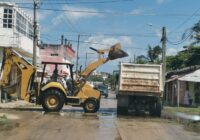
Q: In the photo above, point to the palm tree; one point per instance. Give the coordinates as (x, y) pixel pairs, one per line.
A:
(153, 53)
(194, 33)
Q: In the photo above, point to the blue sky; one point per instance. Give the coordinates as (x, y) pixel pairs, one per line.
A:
(133, 23)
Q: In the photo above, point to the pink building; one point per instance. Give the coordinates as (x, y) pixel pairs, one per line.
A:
(56, 53)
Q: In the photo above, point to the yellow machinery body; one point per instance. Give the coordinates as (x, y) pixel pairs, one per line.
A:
(25, 72)
(52, 95)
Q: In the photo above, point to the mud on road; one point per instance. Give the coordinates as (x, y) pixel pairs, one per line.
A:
(74, 124)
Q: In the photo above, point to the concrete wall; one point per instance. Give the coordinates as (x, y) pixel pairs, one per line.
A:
(46, 56)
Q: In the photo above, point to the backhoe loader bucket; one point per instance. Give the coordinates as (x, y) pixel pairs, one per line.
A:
(116, 52)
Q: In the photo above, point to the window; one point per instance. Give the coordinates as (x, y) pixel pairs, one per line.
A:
(30, 30)
(24, 26)
(54, 54)
(21, 24)
(7, 18)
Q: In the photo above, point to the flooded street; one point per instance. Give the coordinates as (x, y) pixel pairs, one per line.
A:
(74, 124)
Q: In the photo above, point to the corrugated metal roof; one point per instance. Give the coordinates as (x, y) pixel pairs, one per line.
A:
(192, 77)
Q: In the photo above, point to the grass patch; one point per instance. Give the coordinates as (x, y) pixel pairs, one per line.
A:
(6, 124)
(193, 126)
(187, 110)
(3, 120)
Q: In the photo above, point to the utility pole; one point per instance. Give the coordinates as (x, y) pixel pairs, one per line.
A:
(164, 40)
(77, 56)
(86, 59)
(134, 59)
(35, 37)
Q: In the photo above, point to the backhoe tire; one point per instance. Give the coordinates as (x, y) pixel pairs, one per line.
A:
(91, 106)
(53, 100)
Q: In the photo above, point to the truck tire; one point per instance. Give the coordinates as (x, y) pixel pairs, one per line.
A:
(158, 108)
(152, 109)
(122, 110)
(52, 100)
(155, 108)
(91, 106)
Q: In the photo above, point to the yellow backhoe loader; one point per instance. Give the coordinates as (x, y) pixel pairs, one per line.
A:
(54, 93)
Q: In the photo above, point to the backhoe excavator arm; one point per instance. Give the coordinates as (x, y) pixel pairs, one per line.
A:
(24, 74)
(113, 53)
(91, 67)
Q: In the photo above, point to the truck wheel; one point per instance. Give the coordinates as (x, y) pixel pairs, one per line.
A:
(158, 108)
(122, 110)
(91, 106)
(53, 100)
(155, 108)
(152, 108)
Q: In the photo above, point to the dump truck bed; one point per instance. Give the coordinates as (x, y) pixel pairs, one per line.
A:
(140, 79)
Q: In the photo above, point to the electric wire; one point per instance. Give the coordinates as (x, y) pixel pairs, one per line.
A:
(109, 13)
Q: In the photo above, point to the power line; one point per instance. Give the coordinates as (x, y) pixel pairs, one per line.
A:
(181, 41)
(78, 2)
(186, 20)
(95, 43)
(111, 13)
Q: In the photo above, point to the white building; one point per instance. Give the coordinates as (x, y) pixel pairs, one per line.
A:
(16, 30)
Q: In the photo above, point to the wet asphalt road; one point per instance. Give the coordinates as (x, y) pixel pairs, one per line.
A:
(73, 124)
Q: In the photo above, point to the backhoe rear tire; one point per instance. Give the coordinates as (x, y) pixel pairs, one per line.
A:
(52, 100)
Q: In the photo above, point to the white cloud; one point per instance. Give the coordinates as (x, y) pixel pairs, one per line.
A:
(109, 41)
(161, 1)
(126, 44)
(44, 14)
(79, 15)
(136, 12)
(76, 15)
(173, 51)
(158, 33)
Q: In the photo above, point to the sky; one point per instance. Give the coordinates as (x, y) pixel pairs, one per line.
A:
(135, 24)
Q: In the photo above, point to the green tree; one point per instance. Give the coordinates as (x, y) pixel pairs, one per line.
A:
(153, 53)
(193, 53)
(95, 78)
(141, 59)
(195, 33)
(188, 57)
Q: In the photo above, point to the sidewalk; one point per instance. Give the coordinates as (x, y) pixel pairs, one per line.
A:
(186, 110)
(15, 104)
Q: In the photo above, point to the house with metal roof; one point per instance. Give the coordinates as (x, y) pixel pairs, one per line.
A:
(180, 82)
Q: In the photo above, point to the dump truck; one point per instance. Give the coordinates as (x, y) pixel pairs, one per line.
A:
(18, 78)
(140, 88)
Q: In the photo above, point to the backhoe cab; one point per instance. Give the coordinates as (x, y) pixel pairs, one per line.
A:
(59, 89)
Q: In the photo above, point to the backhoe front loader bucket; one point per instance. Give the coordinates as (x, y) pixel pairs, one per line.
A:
(116, 52)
